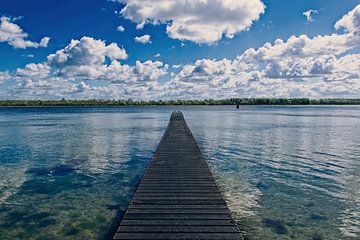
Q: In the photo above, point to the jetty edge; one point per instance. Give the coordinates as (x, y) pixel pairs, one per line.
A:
(177, 197)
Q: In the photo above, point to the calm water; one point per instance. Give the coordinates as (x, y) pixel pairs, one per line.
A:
(286, 172)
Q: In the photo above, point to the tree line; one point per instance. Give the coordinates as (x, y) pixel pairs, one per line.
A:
(229, 101)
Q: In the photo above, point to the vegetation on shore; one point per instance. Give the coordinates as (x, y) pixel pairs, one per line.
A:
(230, 101)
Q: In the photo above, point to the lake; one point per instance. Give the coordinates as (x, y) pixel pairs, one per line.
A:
(285, 172)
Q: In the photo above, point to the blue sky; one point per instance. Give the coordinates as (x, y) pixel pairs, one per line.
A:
(201, 47)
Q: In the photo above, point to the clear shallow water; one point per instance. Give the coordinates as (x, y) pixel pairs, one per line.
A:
(286, 172)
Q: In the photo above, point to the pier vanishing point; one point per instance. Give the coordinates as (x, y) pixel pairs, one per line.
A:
(177, 197)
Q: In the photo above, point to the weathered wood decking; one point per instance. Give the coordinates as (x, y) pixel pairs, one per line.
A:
(177, 197)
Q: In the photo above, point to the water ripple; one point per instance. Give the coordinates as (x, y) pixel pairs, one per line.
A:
(286, 172)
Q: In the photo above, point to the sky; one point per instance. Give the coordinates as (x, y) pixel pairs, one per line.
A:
(179, 49)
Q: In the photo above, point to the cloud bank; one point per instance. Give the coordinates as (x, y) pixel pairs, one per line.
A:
(300, 66)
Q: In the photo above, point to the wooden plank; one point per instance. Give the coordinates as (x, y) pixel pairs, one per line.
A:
(176, 216)
(175, 236)
(177, 197)
(136, 206)
(179, 211)
(179, 202)
(206, 222)
(174, 196)
(178, 229)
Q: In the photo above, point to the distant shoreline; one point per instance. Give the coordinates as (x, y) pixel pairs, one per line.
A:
(205, 102)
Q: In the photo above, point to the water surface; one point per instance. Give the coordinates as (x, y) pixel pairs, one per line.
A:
(286, 172)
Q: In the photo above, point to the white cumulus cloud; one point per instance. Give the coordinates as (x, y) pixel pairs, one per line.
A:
(68, 71)
(15, 36)
(351, 21)
(120, 29)
(85, 57)
(300, 66)
(297, 67)
(40, 70)
(143, 39)
(141, 73)
(309, 14)
(201, 21)
(4, 76)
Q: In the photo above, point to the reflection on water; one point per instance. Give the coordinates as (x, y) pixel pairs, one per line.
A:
(67, 173)
(286, 172)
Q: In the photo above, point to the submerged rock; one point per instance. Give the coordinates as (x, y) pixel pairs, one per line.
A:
(317, 236)
(57, 170)
(27, 218)
(61, 170)
(112, 207)
(262, 186)
(317, 217)
(310, 204)
(47, 222)
(40, 215)
(276, 225)
(70, 230)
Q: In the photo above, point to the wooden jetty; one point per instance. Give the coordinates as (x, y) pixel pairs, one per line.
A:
(177, 197)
